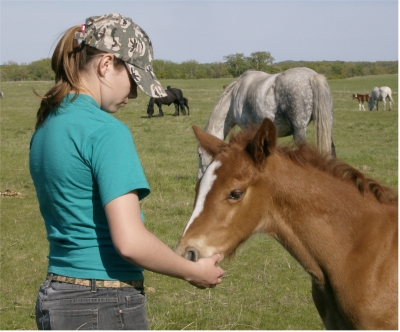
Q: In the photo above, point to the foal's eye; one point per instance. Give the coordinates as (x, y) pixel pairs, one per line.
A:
(236, 194)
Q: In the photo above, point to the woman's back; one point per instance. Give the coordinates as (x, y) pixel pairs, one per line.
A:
(81, 158)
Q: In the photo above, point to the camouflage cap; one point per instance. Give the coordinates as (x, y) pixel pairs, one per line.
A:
(120, 36)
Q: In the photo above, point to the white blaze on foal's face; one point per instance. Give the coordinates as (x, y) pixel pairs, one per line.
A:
(205, 185)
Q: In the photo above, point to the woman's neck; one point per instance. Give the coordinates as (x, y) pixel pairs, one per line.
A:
(90, 85)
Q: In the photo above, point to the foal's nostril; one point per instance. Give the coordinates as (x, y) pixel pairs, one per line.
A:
(191, 255)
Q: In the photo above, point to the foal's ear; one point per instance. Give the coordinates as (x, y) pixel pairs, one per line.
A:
(264, 142)
(213, 145)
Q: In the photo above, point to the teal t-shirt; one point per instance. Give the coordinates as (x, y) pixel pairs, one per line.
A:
(81, 158)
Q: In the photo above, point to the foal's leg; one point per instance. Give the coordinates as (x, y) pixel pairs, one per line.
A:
(182, 105)
(186, 103)
(160, 111)
(328, 308)
(176, 110)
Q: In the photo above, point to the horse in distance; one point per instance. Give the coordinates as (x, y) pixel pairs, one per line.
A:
(341, 226)
(174, 96)
(292, 99)
(380, 94)
(179, 94)
(361, 98)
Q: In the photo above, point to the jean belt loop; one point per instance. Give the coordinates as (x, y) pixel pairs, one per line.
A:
(94, 288)
(48, 280)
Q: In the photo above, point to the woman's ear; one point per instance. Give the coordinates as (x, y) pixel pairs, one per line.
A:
(106, 63)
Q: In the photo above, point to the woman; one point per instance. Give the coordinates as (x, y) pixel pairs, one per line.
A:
(89, 182)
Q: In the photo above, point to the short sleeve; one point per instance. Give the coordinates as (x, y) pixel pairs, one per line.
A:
(115, 164)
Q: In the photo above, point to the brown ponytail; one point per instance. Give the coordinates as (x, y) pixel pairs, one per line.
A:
(69, 59)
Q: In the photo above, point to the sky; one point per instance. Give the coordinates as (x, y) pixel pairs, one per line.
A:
(206, 31)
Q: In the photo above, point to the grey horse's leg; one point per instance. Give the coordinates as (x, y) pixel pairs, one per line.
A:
(299, 135)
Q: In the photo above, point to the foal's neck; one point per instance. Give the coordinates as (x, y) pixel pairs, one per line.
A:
(313, 218)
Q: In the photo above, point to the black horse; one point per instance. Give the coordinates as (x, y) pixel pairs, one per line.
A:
(174, 96)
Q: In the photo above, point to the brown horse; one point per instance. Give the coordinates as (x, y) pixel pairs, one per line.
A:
(340, 225)
(361, 99)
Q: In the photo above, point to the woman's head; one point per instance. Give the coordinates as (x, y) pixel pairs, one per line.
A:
(118, 35)
(113, 47)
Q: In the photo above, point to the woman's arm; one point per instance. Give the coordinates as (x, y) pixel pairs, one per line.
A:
(142, 248)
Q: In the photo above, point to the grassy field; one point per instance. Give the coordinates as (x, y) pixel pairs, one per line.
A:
(264, 288)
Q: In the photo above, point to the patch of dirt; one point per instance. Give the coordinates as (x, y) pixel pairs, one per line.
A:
(365, 168)
(10, 193)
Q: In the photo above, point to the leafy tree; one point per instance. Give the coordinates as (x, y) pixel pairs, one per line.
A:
(261, 60)
(237, 64)
(41, 70)
(336, 70)
(190, 70)
(217, 70)
(166, 69)
(12, 71)
(234, 66)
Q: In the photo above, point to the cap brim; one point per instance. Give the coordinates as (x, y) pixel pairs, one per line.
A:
(147, 81)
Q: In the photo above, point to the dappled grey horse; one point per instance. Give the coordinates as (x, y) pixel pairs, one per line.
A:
(291, 99)
(380, 94)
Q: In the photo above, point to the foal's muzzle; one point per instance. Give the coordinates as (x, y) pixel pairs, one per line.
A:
(192, 255)
(189, 253)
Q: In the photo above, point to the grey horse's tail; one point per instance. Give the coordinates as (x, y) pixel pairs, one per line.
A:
(322, 113)
(390, 96)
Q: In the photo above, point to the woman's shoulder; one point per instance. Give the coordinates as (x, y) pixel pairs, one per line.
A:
(81, 120)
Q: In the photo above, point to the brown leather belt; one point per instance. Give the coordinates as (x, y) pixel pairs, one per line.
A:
(97, 283)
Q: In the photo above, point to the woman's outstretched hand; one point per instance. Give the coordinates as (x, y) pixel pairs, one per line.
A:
(209, 272)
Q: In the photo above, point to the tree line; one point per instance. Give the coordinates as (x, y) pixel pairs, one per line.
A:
(233, 66)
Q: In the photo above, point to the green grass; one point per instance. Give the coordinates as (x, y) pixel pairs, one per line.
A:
(264, 288)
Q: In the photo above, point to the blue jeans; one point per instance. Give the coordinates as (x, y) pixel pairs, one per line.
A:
(62, 306)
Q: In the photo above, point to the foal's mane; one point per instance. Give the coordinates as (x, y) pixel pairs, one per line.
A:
(305, 155)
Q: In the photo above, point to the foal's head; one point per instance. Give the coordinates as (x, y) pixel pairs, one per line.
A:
(225, 212)
(240, 191)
